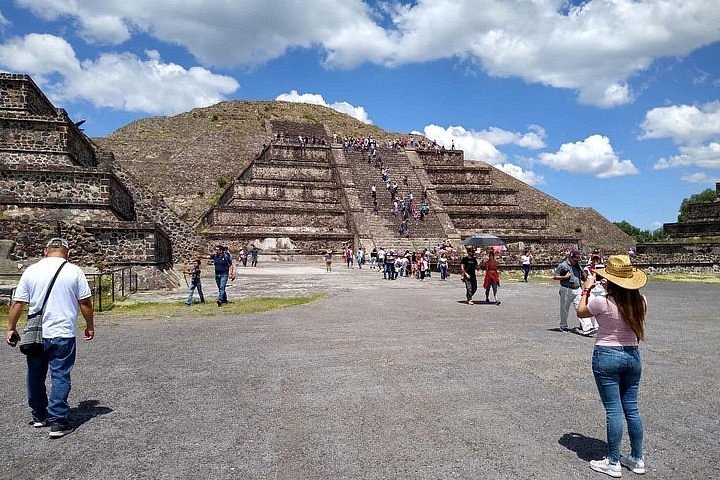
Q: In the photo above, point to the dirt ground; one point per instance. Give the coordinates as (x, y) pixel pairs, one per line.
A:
(382, 380)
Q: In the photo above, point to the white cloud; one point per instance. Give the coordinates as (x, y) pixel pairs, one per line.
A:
(594, 156)
(482, 146)
(533, 140)
(527, 176)
(3, 21)
(39, 54)
(699, 177)
(683, 123)
(317, 99)
(703, 156)
(123, 81)
(95, 22)
(593, 48)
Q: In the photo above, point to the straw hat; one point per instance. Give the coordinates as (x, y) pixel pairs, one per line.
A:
(620, 271)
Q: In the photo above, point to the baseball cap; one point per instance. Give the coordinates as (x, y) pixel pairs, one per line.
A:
(58, 242)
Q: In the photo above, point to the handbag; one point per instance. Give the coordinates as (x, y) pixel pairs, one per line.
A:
(31, 340)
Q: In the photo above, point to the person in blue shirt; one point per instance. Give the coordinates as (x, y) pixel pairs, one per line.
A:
(224, 268)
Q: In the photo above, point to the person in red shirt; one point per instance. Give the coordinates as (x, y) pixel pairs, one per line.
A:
(492, 277)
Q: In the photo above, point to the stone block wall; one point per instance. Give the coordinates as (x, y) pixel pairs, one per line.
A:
(296, 191)
(19, 92)
(291, 171)
(92, 242)
(46, 136)
(65, 186)
(441, 176)
(692, 229)
(704, 211)
(37, 160)
(442, 157)
(309, 153)
(479, 221)
(121, 200)
(302, 220)
(31, 136)
(134, 244)
(494, 197)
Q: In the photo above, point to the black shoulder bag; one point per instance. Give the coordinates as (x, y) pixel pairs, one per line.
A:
(31, 340)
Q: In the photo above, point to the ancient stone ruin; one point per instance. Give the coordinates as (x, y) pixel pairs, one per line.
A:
(695, 241)
(291, 200)
(54, 181)
(299, 199)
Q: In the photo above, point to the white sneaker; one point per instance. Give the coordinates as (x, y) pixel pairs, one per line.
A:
(635, 466)
(604, 466)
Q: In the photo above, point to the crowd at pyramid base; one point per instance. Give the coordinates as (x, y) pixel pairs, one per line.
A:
(308, 191)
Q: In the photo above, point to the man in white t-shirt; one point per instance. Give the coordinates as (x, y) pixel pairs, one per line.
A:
(69, 294)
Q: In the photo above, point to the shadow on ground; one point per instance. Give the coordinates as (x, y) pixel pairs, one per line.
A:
(586, 448)
(87, 410)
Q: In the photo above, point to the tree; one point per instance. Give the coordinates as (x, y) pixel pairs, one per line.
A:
(704, 196)
(640, 236)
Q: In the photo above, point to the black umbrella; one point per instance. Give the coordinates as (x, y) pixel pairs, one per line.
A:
(483, 240)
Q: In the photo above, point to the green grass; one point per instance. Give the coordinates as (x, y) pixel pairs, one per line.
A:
(129, 308)
(685, 277)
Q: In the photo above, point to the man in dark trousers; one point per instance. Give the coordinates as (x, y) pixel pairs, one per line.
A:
(69, 293)
(254, 255)
(468, 266)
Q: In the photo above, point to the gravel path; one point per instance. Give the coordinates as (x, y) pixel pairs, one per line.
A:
(382, 380)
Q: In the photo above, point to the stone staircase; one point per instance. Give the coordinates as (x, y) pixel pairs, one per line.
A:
(383, 226)
(287, 201)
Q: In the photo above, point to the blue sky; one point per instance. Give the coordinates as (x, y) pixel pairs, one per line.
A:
(611, 104)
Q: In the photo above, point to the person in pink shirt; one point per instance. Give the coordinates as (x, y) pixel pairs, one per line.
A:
(616, 362)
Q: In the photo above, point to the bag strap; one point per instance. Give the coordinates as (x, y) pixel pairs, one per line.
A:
(52, 283)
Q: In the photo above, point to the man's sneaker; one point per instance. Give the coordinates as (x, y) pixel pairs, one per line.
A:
(635, 466)
(38, 423)
(59, 429)
(604, 466)
(564, 329)
(470, 302)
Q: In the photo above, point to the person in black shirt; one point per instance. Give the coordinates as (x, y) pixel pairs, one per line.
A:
(468, 266)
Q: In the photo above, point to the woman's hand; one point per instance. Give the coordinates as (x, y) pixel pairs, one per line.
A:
(589, 282)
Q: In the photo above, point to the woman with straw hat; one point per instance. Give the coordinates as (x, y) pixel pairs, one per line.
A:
(616, 361)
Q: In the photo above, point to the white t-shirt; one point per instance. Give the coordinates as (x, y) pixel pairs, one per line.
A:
(61, 310)
(525, 259)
